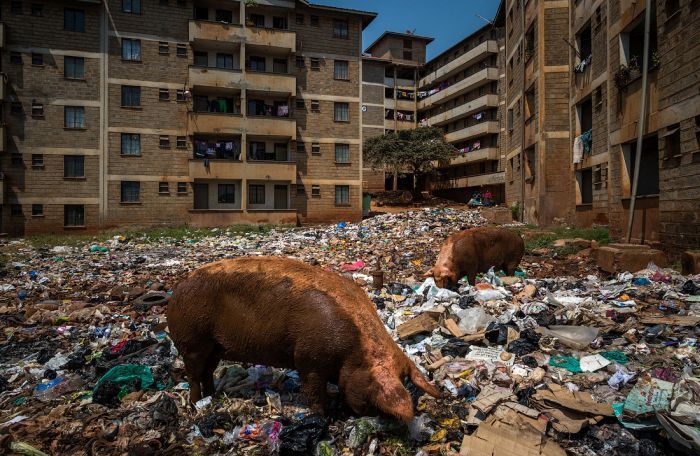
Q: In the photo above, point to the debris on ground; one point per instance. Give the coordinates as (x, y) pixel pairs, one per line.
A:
(559, 358)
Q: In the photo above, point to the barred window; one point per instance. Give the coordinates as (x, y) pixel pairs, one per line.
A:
(131, 96)
(163, 187)
(341, 70)
(131, 192)
(73, 166)
(74, 116)
(74, 215)
(341, 112)
(131, 144)
(227, 194)
(131, 50)
(131, 6)
(342, 195)
(340, 29)
(342, 153)
(74, 67)
(256, 194)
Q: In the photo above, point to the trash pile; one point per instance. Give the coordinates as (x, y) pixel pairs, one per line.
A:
(585, 364)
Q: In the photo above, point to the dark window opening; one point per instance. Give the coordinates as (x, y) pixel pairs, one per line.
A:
(73, 20)
(37, 160)
(130, 192)
(227, 194)
(585, 178)
(340, 29)
(37, 210)
(279, 23)
(648, 182)
(672, 139)
(258, 20)
(586, 115)
(73, 166)
(256, 194)
(73, 215)
(583, 40)
(225, 16)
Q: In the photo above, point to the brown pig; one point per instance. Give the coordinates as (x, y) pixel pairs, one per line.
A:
(475, 250)
(284, 313)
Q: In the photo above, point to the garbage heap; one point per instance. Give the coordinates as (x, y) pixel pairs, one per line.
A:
(527, 364)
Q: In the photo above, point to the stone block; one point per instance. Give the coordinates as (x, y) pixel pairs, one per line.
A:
(627, 258)
(577, 242)
(690, 262)
(497, 215)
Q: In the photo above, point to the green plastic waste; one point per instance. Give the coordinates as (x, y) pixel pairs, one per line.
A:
(124, 374)
(615, 356)
(519, 273)
(566, 362)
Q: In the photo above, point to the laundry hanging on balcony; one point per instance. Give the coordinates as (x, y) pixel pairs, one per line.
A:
(582, 145)
(581, 67)
(478, 115)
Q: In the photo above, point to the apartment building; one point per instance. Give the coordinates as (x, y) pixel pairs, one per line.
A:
(205, 112)
(574, 160)
(390, 75)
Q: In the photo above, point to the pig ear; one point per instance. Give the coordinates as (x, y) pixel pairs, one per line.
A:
(420, 381)
(388, 394)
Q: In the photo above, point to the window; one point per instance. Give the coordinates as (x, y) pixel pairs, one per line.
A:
(301, 61)
(74, 116)
(163, 47)
(585, 112)
(131, 50)
(315, 148)
(314, 20)
(182, 187)
(37, 210)
(224, 61)
(342, 153)
(256, 194)
(73, 20)
(163, 187)
(315, 106)
(180, 95)
(16, 58)
(340, 70)
(342, 195)
(163, 94)
(37, 109)
(74, 67)
(632, 45)
(16, 210)
(164, 141)
(131, 6)
(37, 59)
(37, 10)
(300, 19)
(225, 16)
(301, 147)
(301, 104)
(73, 166)
(131, 96)
(301, 191)
(131, 144)
(279, 22)
(130, 191)
(73, 215)
(279, 66)
(201, 13)
(256, 63)
(37, 160)
(182, 50)
(340, 29)
(16, 160)
(585, 182)
(648, 183)
(341, 112)
(316, 191)
(16, 7)
(510, 120)
(227, 194)
(258, 20)
(315, 63)
(672, 139)
(407, 44)
(201, 59)
(181, 142)
(407, 55)
(583, 40)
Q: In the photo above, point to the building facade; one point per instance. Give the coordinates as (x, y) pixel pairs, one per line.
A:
(575, 161)
(204, 112)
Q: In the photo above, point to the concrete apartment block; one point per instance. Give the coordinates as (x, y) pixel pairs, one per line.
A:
(204, 112)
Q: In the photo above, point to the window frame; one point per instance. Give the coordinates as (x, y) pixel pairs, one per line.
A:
(130, 150)
(181, 142)
(37, 59)
(315, 191)
(81, 217)
(315, 148)
(164, 141)
(182, 188)
(163, 188)
(74, 25)
(76, 168)
(129, 192)
(163, 48)
(74, 64)
(344, 150)
(37, 210)
(315, 63)
(133, 8)
(163, 94)
(341, 108)
(181, 50)
(314, 20)
(254, 193)
(342, 75)
(37, 160)
(341, 29)
(75, 125)
(315, 106)
(232, 194)
(344, 195)
(129, 45)
(37, 110)
(129, 94)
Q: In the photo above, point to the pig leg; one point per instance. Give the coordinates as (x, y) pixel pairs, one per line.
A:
(208, 374)
(314, 386)
(510, 268)
(195, 366)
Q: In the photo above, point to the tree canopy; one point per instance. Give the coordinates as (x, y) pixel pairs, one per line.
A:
(415, 149)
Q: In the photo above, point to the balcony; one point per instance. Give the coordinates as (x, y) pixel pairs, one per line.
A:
(233, 170)
(215, 123)
(490, 100)
(283, 40)
(282, 127)
(208, 32)
(271, 82)
(483, 128)
(2, 35)
(475, 156)
(401, 105)
(215, 77)
(530, 131)
(530, 69)
(631, 100)
(472, 181)
(461, 62)
(465, 85)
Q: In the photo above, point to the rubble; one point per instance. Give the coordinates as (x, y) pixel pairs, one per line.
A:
(558, 358)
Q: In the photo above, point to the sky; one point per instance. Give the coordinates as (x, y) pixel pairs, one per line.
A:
(448, 21)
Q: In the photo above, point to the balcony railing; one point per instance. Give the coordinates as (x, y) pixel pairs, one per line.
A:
(447, 92)
(216, 31)
(480, 129)
(215, 77)
(461, 62)
(282, 83)
(489, 100)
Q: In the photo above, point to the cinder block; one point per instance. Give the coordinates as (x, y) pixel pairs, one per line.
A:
(690, 262)
(628, 258)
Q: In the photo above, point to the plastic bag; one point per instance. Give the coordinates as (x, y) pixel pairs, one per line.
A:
(472, 319)
(578, 337)
(489, 295)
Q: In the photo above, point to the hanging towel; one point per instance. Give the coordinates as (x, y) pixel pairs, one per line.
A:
(578, 150)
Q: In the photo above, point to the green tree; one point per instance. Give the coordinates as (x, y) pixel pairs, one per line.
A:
(414, 151)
